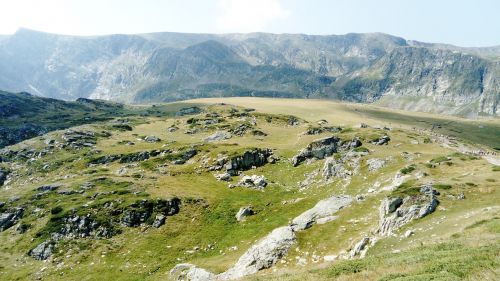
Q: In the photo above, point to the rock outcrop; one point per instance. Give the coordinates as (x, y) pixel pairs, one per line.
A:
(262, 255)
(322, 209)
(397, 211)
(104, 222)
(318, 149)
(249, 159)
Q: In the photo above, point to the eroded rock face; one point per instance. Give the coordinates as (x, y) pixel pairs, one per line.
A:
(318, 149)
(10, 218)
(322, 209)
(262, 255)
(396, 212)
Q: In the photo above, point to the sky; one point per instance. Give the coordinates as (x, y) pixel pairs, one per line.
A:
(458, 22)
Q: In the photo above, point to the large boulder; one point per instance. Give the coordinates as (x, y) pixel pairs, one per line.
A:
(322, 209)
(318, 149)
(262, 255)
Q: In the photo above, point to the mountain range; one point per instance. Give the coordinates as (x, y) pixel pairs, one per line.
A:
(160, 67)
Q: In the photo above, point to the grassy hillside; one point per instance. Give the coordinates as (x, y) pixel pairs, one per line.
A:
(458, 241)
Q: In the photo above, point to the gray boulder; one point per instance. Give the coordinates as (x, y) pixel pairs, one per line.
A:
(218, 136)
(152, 139)
(382, 140)
(334, 169)
(262, 255)
(243, 213)
(42, 251)
(10, 218)
(190, 272)
(322, 209)
(253, 181)
(223, 176)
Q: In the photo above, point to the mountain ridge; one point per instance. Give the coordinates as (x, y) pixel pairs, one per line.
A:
(168, 66)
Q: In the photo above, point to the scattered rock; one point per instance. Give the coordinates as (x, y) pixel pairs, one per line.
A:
(408, 233)
(218, 136)
(172, 129)
(152, 139)
(318, 149)
(159, 220)
(374, 164)
(382, 140)
(223, 177)
(190, 272)
(48, 187)
(396, 212)
(253, 181)
(332, 169)
(188, 111)
(244, 212)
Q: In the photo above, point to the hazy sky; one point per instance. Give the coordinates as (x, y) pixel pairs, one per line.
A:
(459, 22)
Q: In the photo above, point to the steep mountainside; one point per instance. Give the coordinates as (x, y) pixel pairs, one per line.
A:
(175, 66)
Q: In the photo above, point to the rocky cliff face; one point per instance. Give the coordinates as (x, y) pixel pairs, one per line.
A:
(173, 66)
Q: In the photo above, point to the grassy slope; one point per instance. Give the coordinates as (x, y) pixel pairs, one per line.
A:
(148, 254)
(483, 131)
